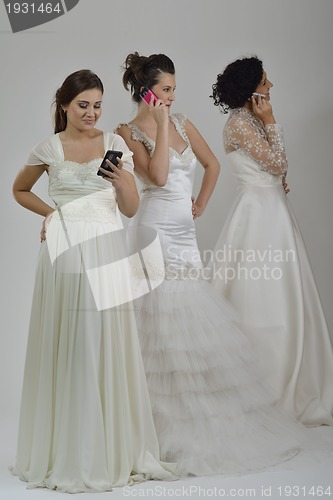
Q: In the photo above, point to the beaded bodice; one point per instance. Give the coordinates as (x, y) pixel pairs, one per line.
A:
(181, 165)
(75, 187)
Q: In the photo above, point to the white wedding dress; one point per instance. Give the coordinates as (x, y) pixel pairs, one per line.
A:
(86, 422)
(212, 414)
(261, 266)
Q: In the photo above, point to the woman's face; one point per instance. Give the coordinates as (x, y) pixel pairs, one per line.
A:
(165, 89)
(84, 110)
(264, 86)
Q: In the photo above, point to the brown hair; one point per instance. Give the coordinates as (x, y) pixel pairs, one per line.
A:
(142, 71)
(74, 84)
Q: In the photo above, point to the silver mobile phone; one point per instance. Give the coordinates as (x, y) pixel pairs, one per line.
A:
(258, 94)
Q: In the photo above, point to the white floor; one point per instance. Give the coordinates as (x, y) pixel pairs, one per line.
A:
(308, 475)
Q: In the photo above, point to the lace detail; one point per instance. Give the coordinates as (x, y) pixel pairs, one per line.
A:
(275, 136)
(138, 135)
(87, 211)
(80, 170)
(187, 272)
(146, 187)
(265, 145)
(168, 272)
(184, 158)
(178, 119)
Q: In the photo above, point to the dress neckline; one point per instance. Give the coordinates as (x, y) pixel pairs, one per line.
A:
(176, 123)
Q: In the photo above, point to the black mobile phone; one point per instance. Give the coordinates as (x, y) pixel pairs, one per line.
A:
(112, 157)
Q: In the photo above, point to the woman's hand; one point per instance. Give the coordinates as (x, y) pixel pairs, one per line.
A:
(285, 185)
(159, 112)
(45, 224)
(116, 177)
(197, 210)
(263, 110)
(126, 191)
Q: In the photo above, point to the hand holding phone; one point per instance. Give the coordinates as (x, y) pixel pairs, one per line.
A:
(146, 95)
(256, 96)
(112, 156)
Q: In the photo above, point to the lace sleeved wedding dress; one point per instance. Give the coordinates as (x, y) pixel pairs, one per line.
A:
(261, 266)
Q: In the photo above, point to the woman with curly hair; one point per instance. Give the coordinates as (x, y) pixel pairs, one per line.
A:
(260, 262)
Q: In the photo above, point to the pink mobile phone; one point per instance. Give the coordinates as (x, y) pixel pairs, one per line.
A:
(146, 94)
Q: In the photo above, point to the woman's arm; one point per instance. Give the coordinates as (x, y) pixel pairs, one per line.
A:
(126, 192)
(155, 168)
(23, 183)
(209, 162)
(127, 195)
(268, 152)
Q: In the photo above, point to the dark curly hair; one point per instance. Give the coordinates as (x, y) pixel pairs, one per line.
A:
(77, 82)
(237, 83)
(141, 71)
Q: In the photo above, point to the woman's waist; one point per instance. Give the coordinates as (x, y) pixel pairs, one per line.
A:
(172, 218)
(166, 192)
(166, 207)
(175, 232)
(99, 207)
(67, 194)
(256, 177)
(250, 182)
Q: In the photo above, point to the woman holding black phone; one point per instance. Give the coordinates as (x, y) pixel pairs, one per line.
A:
(86, 421)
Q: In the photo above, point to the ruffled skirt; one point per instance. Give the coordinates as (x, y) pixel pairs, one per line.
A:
(213, 412)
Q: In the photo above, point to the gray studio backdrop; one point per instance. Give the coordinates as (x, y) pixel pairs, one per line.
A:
(293, 37)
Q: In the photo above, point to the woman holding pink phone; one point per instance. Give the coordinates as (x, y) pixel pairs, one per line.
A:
(211, 410)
